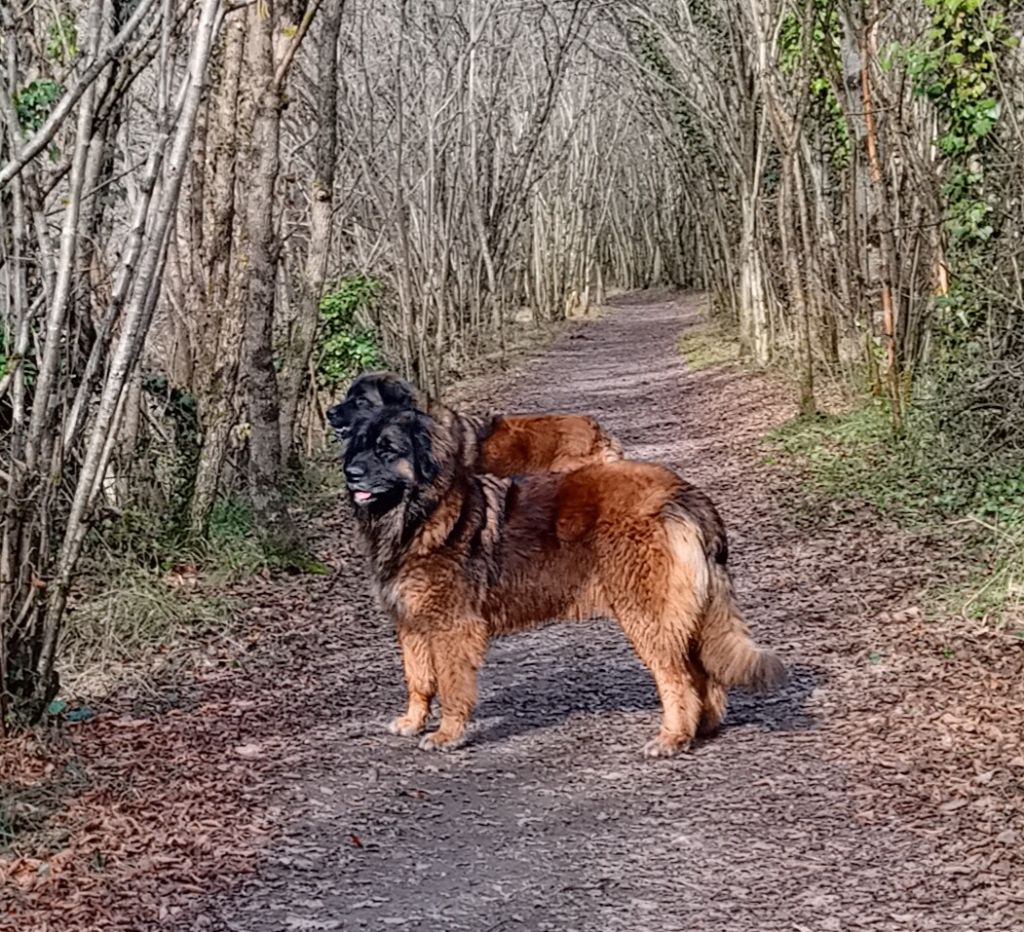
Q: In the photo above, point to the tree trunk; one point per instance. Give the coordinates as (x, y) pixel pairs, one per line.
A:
(753, 317)
(883, 225)
(260, 253)
(302, 338)
(217, 332)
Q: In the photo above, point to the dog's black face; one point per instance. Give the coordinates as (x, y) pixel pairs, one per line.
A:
(367, 394)
(388, 456)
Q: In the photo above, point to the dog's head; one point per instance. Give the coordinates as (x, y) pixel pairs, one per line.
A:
(367, 394)
(389, 457)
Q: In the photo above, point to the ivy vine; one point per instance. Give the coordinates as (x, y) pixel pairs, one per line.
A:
(33, 103)
(826, 34)
(344, 345)
(954, 67)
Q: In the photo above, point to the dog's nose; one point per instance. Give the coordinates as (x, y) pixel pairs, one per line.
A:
(354, 472)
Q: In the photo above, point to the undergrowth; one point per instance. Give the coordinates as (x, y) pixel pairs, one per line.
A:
(920, 479)
(708, 345)
(145, 585)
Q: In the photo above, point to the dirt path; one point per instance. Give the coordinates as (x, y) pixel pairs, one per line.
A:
(880, 791)
(867, 796)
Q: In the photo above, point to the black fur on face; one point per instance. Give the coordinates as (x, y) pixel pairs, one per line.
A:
(370, 392)
(388, 457)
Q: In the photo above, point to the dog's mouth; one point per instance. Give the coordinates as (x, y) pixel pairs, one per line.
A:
(364, 497)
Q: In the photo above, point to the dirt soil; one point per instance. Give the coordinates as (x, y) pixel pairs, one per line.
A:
(883, 789)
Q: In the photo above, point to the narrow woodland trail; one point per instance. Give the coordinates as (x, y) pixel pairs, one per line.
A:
(868, 795)
(880, 791)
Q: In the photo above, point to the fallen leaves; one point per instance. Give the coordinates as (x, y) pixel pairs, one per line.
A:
(164, 799)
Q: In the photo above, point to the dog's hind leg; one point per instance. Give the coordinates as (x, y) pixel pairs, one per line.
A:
(713, 698)
(458, 652)
(713, 711)
(680, 699)
(420, 681)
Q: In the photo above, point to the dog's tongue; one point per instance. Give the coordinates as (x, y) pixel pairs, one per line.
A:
(362, 497)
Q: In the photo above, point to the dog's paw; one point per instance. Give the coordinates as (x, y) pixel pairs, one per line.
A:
(439, 741)
(666, 746)
(405, 726)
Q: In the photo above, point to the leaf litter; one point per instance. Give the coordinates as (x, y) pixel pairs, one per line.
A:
(257, 791)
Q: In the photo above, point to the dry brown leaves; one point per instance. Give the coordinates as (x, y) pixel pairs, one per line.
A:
(125, 818)
(131, 818)
(167, 806)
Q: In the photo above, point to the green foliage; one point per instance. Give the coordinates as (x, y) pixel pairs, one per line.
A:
(9, 359)
(668, 87)
(234, 547)
(953, 65)
(916, 477)
(709, 345)
(960, 317)
(921, 478)
(62, 41)
(157, 542)
(344, 345)
(179, 407)
(232, 543)
(824, 47)
(33, 103)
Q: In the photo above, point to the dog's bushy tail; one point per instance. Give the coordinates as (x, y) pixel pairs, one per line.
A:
(727, 651)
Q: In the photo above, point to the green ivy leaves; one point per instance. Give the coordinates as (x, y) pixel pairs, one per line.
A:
(344, 347)
(62, 42)
(825, 37)
(34, 102)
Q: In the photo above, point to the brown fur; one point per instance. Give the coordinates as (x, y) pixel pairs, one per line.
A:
(461, 558)
(502, 445)
(532, 443)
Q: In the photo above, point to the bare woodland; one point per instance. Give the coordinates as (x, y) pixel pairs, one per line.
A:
(182, 183)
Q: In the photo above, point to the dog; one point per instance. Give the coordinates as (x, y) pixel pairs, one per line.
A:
(458, 557)
(502, 445)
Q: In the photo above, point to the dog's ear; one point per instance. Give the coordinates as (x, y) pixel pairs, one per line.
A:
(396, 391)
(358, 385)
(427, 465)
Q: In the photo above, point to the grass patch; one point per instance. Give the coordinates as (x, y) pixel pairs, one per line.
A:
(145, 587)
(855, 457)
(918, 480)
(123, 626)
(708, 345)
(320, 483)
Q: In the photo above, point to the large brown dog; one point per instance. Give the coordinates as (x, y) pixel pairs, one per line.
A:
(503, 445)
(459, 557)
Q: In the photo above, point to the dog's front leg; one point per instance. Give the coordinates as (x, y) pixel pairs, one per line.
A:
(420, 681)
(458, 651)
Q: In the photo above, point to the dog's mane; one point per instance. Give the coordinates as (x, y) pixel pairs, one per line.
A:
(459, 506)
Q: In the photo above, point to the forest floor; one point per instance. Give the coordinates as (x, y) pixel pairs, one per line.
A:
(883, 789)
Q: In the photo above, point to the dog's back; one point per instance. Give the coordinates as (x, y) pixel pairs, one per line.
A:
(534, 443)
